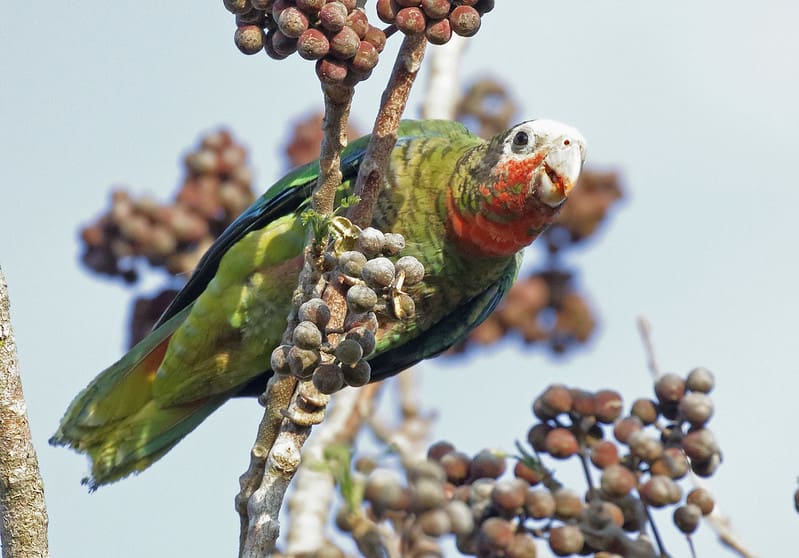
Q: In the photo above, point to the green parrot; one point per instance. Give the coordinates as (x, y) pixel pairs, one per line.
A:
(466, 207)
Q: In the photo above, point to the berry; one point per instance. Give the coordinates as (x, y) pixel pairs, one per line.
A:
(303, 362)
(539, 504)
(333, 16)
(699, 444)
(687, 517)
(568, 504)
(310, 6)
(328, 378)
(645, 447)
(555, 400)
(249, 39)
(378, 272)
(456, 465)
(358, 374)
(438, 31)
(531, 475)
(410, 21)
(313, 45)
(436, 9)
(701, 380)
(669, 388)
(351, 263)
(508, 496)
(660, 491)
(435, 522)
(376, 37)
(566, 540)
(307, 335)
(361, 299)
(486, 464)
(387, 10)
(604, 454)
(626, 427)
(384, 489)
(439, 450)
(645, 410)
(292, 22)
(314, 310)
(701, 498)
(465, 21)
(365, 58)
(278, 46)
(460, 517)
(617, 481)
(370, 242)
(608, 406)
(537, 435)
(358, 21)
(495, 534)
(560, 443)
(426, 494)
(672, 463)
(696, 408)
(412, 268)
(344, 44)
(364, 337)
(349, 351)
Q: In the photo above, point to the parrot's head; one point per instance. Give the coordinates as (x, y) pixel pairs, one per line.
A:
(525, 175)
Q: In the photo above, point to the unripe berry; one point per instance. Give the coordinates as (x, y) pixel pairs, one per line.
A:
(377, 38)
(645, 409)
(328, 378)
(660, 491)
(387, 10)
(568, 504)
(604, 454)
(349, 351)
(438, 31)
(426, 494)
(465, 21)
(359, 23)
(439, 449)
(626, 427)
(456, 465)
(365, 58)
(508, 496)
(699, 444)
(364, 337)
(486, 464)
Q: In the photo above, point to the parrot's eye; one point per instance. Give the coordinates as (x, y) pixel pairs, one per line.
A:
(520, 139)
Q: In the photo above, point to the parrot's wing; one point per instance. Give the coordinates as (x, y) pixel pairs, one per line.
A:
(287, 195)
(448, 331)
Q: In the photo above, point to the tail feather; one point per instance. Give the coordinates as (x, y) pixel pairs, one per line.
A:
(116, 420)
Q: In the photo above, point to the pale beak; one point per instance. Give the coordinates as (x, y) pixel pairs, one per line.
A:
(559, 172)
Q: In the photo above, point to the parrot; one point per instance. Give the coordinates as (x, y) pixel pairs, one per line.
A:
(467, 208)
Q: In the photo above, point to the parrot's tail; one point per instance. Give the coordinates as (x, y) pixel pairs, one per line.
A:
(116, 421)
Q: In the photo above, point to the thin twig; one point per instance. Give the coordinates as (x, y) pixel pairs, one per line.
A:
(384, 133)
(661, 549)
(646, 337)
(722, 525)
(23, 513)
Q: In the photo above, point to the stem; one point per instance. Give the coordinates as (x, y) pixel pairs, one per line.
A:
(384, 133)
(23, 513)
(655, 533)
(646, 337)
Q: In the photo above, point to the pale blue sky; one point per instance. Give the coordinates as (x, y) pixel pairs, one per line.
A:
(694, 101)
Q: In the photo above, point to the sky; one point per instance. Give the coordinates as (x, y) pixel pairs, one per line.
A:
(693, 101)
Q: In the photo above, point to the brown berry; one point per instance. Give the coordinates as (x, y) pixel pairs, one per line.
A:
(555, 400)
(333, 16)
(644, 446)
(344, 44)
(537, 436)
(436, 9)
(358, 374)
(617, 481)
(539, 504)
(583, 402)
(411, 21)
(508, 496)
(645, 410)
(560, 443)
(696, 408)
(701, 380)
(365, 58)
(292, 22)
(699, 444)
(465, 21)
(669, 388)
(608, 406)
(376, 37)
(486, 464)
(672, 463)
(313, 45)
(568, 504)
(566, 540)
(358, 22)
(435, 522)
(495, 535)
(438, 31)
(604, 454)
(687, 517)
(701, 498)
(249, 39)
(328, 378)
(387, 10)
(439, 450)
(531, 475)
(456, 465)
(310, 6)
(660, 491)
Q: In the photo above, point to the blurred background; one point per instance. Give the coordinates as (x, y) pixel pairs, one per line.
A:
(699, 118)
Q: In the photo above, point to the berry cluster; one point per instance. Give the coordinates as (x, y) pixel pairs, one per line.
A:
(374, 286)
(544, 308)
(437, 19)
(174, 236)
(336, 34)
(495, 514)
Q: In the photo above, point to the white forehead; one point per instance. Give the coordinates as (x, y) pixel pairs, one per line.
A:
(544, 132)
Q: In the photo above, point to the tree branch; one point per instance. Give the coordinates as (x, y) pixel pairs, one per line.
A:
(23, 513)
